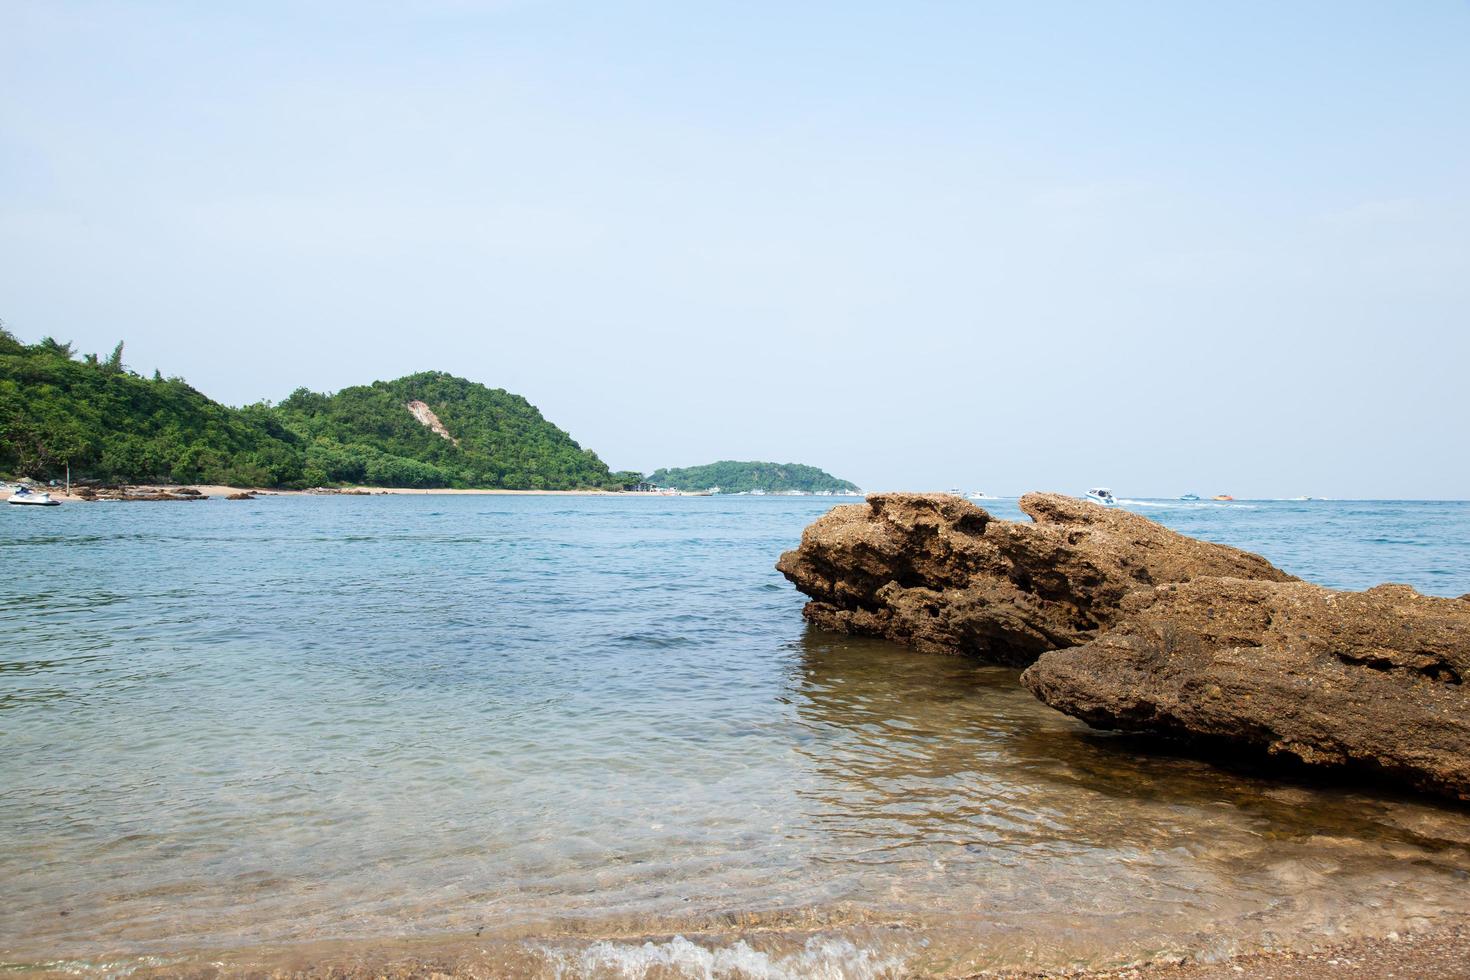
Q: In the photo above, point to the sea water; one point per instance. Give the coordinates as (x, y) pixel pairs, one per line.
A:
(591, 736)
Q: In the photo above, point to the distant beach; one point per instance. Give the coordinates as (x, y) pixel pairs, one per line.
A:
(218, 490)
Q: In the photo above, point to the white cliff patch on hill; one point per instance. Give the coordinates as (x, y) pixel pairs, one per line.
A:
(426, 417)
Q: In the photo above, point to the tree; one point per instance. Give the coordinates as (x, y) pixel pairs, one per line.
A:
(114, 364)
(51, 345)
(625, 480)
(40, 448)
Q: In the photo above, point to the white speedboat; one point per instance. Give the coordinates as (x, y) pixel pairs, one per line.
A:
(1102, 495)
(25, 495)
(978, 495)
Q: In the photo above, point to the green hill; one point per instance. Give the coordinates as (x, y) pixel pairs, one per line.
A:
(113, 425)
(736, 477)
(368, 434)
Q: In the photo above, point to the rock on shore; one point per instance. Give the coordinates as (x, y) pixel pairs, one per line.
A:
(939, 573)
(1128, 625)
(135, 494)
(1367, 679)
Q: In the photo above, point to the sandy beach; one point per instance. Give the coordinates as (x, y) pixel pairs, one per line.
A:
(1441, 952)
(214, 490)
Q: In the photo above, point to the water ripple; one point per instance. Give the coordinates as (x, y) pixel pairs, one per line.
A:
(407, 716)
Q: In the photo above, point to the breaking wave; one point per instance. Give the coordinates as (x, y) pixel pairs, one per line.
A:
(821, 958)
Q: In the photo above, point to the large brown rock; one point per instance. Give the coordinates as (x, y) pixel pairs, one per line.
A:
(939, 573)
(1364, 679)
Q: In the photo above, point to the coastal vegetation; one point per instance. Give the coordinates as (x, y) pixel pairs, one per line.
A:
(490, 438)
(110, 424)
(741, 477)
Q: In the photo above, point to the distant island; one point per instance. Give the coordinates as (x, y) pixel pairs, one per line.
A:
(109, 424)
(743, 477)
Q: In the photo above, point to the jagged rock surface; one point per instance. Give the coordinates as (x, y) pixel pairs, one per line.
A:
(1365, 679)
(1131, 626)
(939, 573)
(129, 493)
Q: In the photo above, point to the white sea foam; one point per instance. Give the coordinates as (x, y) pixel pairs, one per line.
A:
(821, 958)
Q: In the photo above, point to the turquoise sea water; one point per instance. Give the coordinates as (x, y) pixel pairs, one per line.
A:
(563, 725)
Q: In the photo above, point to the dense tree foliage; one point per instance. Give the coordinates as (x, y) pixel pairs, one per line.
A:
(366, 434)
(113, 425)
(737, 477)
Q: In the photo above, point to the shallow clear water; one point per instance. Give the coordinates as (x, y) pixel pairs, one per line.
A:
(568, 723)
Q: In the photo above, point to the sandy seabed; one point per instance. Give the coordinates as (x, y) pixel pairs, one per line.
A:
(1439, 951)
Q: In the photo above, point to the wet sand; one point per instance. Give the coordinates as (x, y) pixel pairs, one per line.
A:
(1442, 951)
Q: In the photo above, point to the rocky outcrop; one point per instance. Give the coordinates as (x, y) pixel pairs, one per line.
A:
(134, 494)
(1370, 679)
(240, 495)
(939, 573)
(426, 417)
(1128, 625)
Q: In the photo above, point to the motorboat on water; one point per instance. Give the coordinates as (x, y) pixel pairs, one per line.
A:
(1102, 495)
(1189, 496)
(978, 495)
(1222, 496)
(25, 495)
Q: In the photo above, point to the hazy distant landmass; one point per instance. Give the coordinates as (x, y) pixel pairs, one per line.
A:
(739, 477)
(425, 430)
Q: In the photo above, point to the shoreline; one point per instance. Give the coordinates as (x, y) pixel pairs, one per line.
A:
(1440, 950)
(218, 491)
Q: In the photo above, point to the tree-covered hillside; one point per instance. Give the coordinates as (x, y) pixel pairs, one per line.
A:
(367, 434)
(736, 477)
(112, 425)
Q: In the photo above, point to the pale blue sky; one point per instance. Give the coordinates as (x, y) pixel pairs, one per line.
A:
(1160, 246)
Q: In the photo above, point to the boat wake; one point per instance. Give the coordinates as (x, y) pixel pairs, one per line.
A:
(1184, 504)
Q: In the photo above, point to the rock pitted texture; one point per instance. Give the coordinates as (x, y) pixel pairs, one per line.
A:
(1368, 679)
(939, 573)
(1131, 626)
